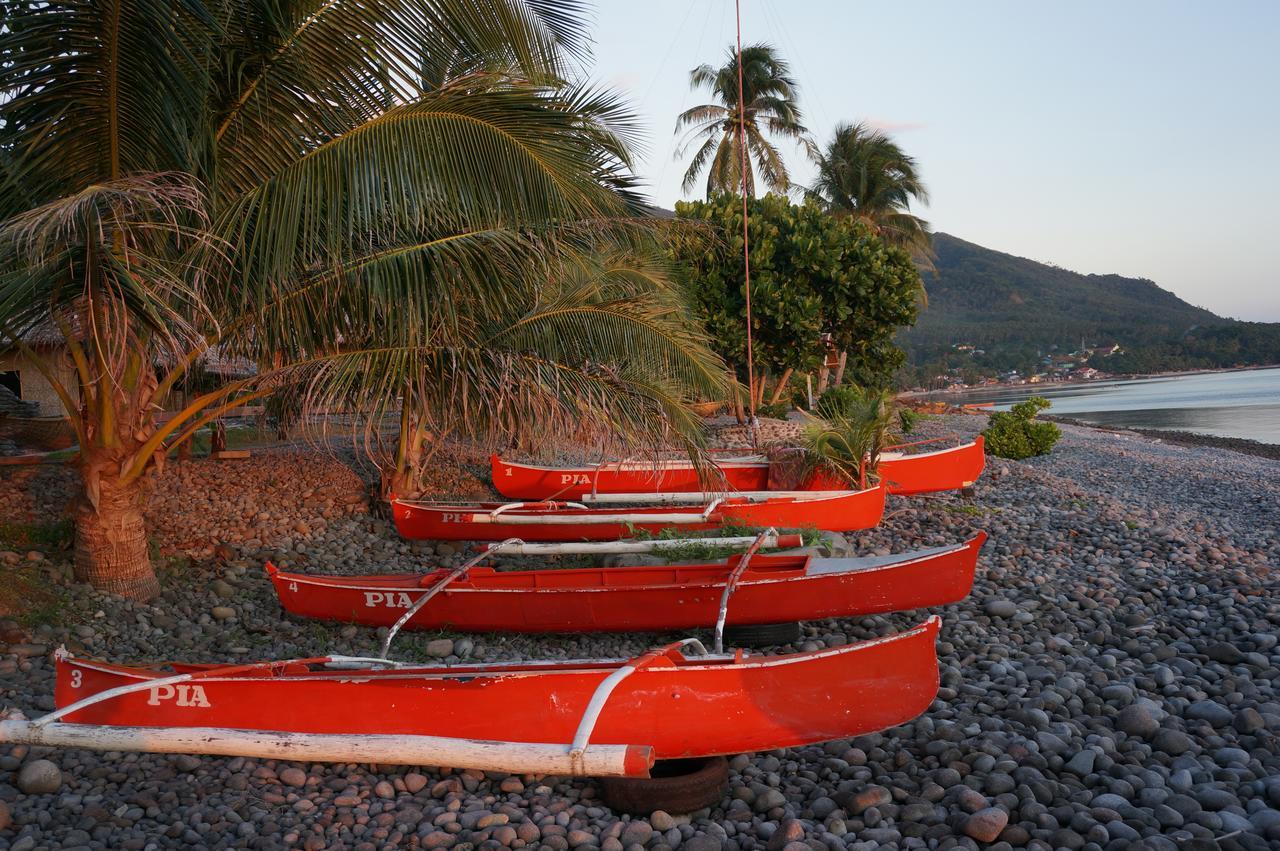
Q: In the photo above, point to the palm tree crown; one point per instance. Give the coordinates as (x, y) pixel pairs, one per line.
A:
(371, 201)
(769, 95)
(862, 172)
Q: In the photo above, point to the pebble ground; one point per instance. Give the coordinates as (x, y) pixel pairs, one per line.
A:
(1111, 683)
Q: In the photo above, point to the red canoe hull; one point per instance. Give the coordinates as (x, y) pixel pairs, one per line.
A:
(681, 707)
(530, 481)
(930, 472)
(846, 512)
(948, 469)
(774, 589)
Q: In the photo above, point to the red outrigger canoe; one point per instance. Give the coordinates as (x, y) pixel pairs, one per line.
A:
(834, 511)
(663, 705)
(772, 589)
(953, 468)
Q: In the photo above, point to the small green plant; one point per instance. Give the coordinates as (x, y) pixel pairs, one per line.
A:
(907, 420)
(43, 536)
(776, 411)
(852, 428)
(1016, 433)
(695, 551)
(970, 510)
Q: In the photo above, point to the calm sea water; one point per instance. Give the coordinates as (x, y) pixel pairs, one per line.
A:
(1226, 404)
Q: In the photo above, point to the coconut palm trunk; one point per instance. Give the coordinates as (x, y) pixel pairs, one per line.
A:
(111, 546)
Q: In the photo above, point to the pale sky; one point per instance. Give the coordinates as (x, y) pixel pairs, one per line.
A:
(1139, 137)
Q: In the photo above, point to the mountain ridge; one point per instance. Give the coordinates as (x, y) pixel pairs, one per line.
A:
(1016, 310)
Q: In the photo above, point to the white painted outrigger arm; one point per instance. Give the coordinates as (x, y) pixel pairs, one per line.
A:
(455, 574)
(506, 757)
(677, 498)
(497, 515)
(731, 585)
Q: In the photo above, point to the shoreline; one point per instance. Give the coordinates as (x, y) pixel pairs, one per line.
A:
(1071, 382)
(1182, 438)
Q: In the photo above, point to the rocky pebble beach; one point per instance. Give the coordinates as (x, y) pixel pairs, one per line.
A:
(1113, 681)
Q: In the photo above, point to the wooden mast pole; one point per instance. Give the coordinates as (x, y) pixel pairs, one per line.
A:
(746, 245)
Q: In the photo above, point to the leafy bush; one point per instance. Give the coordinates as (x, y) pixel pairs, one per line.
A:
(839, 401)
(907, 420)
(777, 411)
(1017, 434)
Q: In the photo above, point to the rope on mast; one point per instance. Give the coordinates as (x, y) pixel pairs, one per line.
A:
(746, 245)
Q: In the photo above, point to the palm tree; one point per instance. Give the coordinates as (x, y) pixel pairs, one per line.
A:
(863, 173)
(379, 200)
(769, 92)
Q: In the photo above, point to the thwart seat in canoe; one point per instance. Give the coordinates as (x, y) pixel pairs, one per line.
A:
(839, 511)
(772, 589)
(952, 468)
(619, 715)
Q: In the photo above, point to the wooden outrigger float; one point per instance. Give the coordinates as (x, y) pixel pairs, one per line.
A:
(586, 717)
(952, 468)
(767, 589)
(836, 511)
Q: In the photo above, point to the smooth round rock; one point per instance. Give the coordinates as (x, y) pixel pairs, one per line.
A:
(985, 825)
(40, 777)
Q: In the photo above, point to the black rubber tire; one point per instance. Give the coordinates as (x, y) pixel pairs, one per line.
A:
(676, 786)
(761, 634)
(969, 492)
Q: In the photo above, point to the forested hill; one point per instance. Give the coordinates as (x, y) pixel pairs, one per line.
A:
(1015, 309)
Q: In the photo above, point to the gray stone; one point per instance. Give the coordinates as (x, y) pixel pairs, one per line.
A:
(769, 799)
(1000, 608)
(440, 647)
(637, 832)
(1249, 721)
(39, 777)
(1211, 711)
(293, 776)
(1172, 742)
(1136, 720)
(661, 821)
(1082, 763)
(702, 842)
(823, 807)
(1215, 799)
(1227, 654)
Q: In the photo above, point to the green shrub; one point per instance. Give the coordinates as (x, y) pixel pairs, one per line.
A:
(839, 401)
(776, 411)
(907, 420)
(1017, 434)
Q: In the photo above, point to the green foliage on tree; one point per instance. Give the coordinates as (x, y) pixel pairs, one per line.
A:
(1017, 434)
(811, 273)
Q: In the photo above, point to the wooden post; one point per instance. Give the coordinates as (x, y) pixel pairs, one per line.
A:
(844, 359)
